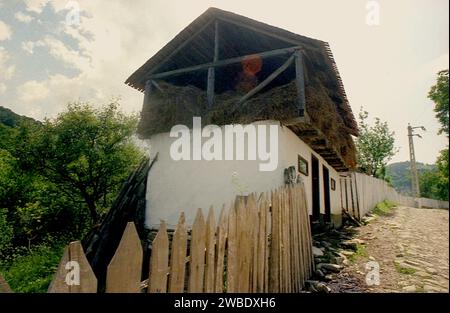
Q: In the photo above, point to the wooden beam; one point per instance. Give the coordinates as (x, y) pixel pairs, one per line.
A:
(157, 86)
(174, 52)
(221, 63)
(300, 82)
(295, 121)
(320, 143)
(261, 31)
(308, 133)
(211, 70)
(148, 90)
(267, 81)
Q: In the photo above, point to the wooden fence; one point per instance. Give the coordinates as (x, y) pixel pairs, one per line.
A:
(260, 244)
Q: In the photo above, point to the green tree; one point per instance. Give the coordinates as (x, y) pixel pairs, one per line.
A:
(85, 152)
(375, 146)
(439, 95)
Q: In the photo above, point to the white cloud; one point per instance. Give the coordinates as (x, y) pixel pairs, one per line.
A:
(71, 58)
(29, 46)
(22, 17)
(6, 68)
(49, 97)
(5, 31)
(3, 88)
(33, 91)
(37, 6)
(390, 83)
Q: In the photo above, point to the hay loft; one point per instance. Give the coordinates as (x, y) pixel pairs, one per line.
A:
(229, 69)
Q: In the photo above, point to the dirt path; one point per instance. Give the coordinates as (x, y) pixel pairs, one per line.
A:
(411, 247)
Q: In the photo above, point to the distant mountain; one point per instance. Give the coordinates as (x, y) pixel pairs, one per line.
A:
(9, 124)
(11, 119)
(400, 174)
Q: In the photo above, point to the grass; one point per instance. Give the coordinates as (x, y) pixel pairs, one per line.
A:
(32, 273)
(404, 270)
(384, 208)
(359, 253)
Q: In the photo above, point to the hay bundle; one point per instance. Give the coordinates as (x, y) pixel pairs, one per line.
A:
(178, 104)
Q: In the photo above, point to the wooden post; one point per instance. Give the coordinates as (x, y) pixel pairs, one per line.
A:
(211, 70)
(178, 257)
(148, 89)
(300, 82)
(197, 254)
(159, 261)
(124, 270)
(72, 261)
(267, 81)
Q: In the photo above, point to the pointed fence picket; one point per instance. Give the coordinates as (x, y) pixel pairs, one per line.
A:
(262, 243)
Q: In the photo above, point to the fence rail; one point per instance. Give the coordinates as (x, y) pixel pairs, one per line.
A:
(261, 243)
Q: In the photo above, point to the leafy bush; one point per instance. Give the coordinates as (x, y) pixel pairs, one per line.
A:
(384, 208)
(6, 233)
(33, 272)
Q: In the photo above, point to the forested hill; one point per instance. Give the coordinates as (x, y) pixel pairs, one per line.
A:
(11, 119)
(400, 174)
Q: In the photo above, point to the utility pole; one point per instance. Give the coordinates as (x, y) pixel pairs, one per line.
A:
(412, 157)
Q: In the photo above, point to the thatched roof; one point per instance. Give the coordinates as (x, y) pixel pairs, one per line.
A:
(155, 63)
(182, 96)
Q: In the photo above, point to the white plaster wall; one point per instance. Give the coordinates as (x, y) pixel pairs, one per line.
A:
(175, 186)
(294, 146)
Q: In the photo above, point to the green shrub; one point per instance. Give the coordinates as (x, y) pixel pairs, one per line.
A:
(6, 234)
(384, 208)
(33, 272)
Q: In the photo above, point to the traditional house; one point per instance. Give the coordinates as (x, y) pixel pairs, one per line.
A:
(231, 70)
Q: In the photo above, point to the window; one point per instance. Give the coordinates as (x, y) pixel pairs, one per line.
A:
(302, 166)
(333, 184)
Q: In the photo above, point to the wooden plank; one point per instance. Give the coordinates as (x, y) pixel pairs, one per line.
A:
(275, 243)
(197, 251)
(300, 222)
(222, 63)
(286, 226)
(244, 246)
(300, 82)
(211, 70)
(262, 245)
(147, 93)
(74, 265)
(178, 48)
(124, 270)
(293, 264)
(210, 251)
(254, 233)
(222, 231)
(159, 261)
(267, 81)
(232, 249)
(303, 234)
(308, 242)
(267, 243)
(261, 31)
(178, 257)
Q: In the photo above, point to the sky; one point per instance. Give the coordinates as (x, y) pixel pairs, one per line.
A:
(388, 53)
